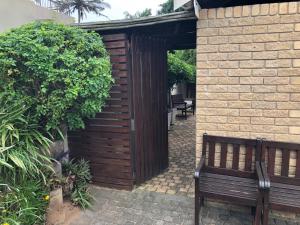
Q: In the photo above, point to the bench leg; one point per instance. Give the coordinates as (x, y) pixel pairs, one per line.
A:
(266, 216)
(266, 210)
(197, 210)
(201, 202)
(197, 202)
(257, 220)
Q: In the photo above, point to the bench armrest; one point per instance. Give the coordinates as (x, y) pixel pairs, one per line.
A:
(180, 103)
(265, 175)
(260, 177)
(199, 167)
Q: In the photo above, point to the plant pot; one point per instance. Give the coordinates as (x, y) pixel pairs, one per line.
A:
(59, 148)
(169, 120)
(55, 212)
(174, 113)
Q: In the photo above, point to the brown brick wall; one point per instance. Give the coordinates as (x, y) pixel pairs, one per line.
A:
(248, 72)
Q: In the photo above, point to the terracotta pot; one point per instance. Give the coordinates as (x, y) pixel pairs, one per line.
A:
(55, 212)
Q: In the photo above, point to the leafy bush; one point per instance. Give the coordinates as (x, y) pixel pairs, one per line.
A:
(179, 70)
(23, 203)
(23, 148)
(80, 170)
(64, 71)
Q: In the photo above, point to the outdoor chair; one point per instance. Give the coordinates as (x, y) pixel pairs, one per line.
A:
(240, 183)
(181, 104)
(282, 177)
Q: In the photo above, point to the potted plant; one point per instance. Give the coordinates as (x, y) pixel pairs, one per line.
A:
(169, 118)
(174, 113)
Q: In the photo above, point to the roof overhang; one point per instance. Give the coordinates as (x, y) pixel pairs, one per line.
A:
(139, 22)
(178, 29)
(228, 3)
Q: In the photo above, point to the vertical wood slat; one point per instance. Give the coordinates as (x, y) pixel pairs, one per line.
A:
(223, 155)
(136, 90)
(285, 163)
(149, 73)
(271, 160)
(211, 154)
(248, 158)
(298, 164)
(100, 141)
(235, 157)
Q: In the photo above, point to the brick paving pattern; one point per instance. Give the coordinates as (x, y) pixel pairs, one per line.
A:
(178, 178)
(174, 205)
(113, 207)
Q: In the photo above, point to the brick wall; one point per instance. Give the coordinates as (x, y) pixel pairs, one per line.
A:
(248, 72)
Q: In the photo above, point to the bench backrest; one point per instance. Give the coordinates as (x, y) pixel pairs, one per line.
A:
(282, 161)
(231, 156)
(177, 98)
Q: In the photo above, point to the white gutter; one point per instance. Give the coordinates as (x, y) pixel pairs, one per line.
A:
(188, 5)
(197, 8)
(180, 3)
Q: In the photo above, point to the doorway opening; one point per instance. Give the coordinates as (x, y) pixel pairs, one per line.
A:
(178, 177)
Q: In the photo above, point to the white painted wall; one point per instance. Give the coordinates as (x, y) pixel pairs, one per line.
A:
(14, 13)
(179, 89)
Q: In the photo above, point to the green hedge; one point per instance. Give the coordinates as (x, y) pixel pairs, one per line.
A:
(64, 72)
(179, 70)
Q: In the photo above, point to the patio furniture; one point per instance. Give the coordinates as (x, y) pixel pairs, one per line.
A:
(283, 191)
(182, 104)
(242, 183)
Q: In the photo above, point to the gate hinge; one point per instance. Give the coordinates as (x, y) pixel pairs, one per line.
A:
(128, 47)
(132, 125)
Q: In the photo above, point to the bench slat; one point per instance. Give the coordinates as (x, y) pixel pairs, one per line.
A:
(248, 159)
(285, 163)
(271, 160)
(223, 185)
(236, 156)
(223, 155)
(211, 154)
(298, 165)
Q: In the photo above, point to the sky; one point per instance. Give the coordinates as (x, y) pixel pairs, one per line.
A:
(118, 7)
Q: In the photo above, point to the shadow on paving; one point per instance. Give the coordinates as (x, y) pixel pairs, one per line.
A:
(166, 199)
(113, 207)
(178, 178)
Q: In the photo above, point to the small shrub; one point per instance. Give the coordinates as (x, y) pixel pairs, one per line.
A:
(23, 203)
(64, 71)
(23, 148)
(80, 171)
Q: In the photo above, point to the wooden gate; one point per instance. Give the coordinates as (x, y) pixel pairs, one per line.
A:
(105, 142)
(149, 106)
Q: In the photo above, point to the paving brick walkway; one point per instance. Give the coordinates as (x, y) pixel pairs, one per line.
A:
(112, 207)
(149, 208)
(174, 205)
(178, 178)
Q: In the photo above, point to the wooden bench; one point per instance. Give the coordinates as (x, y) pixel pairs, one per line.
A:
(281, 180)
(239, 182)
(181, 104)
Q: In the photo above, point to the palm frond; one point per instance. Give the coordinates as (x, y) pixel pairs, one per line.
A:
(81, 6)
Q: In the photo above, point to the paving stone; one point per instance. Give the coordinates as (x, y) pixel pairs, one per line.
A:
(175, 205)
(181, 161)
